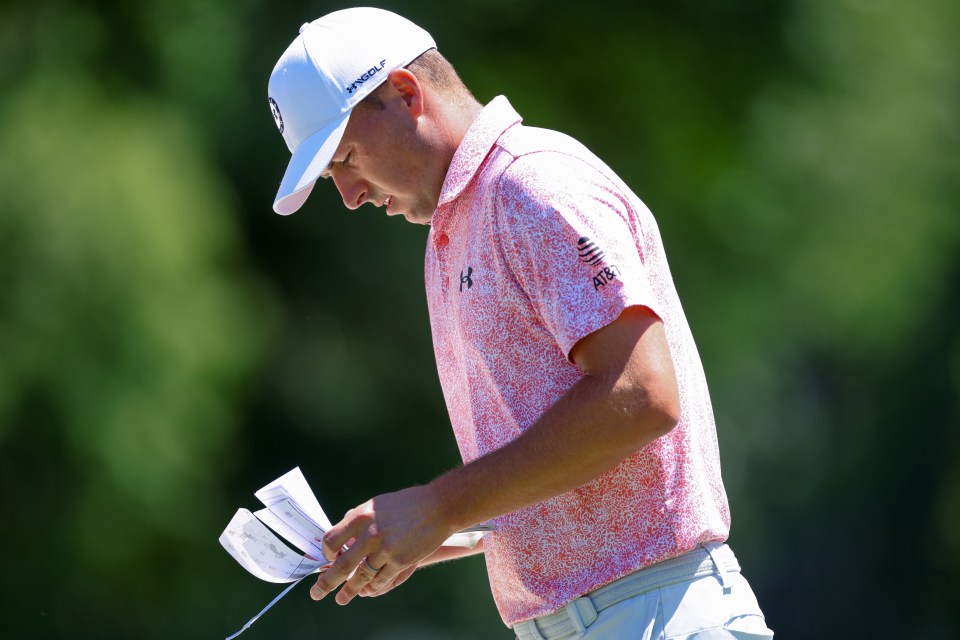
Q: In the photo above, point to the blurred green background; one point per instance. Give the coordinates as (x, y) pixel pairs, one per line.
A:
(168, 345)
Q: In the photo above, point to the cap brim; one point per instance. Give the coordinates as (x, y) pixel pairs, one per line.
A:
(309, 160)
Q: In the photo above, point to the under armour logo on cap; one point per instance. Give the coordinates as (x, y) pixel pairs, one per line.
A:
(275, 110)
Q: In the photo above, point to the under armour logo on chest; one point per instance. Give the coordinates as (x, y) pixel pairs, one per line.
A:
(466, 278)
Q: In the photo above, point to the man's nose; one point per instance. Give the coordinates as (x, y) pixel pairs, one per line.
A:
(353, 191)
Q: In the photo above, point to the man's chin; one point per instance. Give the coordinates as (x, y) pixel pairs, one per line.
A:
(413, 217)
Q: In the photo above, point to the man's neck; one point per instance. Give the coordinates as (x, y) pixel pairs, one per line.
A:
(457, 117)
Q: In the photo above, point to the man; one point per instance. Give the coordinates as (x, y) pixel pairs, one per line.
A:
(573, 385)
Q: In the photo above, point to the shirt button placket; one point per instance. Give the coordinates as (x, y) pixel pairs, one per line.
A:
(441, 240)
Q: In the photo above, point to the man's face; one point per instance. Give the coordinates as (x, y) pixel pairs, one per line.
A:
(381, 159)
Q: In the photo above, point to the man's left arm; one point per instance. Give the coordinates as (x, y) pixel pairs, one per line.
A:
(627, 398)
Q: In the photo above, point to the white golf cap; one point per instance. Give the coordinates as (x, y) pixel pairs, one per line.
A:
(332, 65)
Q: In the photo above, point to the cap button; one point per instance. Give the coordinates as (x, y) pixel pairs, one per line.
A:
(304, 26)
(443, 240)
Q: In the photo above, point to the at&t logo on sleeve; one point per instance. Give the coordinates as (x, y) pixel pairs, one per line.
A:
(591, 254)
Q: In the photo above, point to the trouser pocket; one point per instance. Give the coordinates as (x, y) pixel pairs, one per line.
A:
(749, 627)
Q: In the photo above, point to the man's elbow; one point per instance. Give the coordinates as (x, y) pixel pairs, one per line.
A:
(668, 417)
(659, 416)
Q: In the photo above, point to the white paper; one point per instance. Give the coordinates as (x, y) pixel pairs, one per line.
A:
(293, 486)
(262, 553)
(294, 512)
(468, 539)
(302, 532)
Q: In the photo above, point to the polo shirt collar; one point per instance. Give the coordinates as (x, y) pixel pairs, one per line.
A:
(491, 122)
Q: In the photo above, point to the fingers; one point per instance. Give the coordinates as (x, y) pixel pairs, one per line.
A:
(366, 574)
(366, 578)
(374, 546)
(348, 543)
(348, 564)
(372, 590)
(351, 542)
(342, 535)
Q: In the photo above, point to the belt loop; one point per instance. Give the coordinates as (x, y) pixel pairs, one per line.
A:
(528, 630)
(582, 614)
(721, 571)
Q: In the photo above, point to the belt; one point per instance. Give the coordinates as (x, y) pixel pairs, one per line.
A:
(573, 619)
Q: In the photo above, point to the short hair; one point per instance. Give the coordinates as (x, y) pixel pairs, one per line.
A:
(438, 73)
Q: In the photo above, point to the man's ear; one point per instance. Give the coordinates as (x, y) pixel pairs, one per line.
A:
(409, 89)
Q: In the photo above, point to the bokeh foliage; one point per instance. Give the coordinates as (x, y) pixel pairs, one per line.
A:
(168, 345)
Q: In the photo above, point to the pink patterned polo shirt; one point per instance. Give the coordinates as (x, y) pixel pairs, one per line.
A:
(535, 244)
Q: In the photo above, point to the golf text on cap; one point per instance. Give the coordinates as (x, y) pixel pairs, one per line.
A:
(366, 76)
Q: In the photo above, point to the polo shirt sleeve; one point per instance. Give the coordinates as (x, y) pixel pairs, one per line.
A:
(572, 241)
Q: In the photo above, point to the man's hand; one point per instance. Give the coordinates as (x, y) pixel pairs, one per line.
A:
(370, 591)
(386, 538)
(442, 554)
